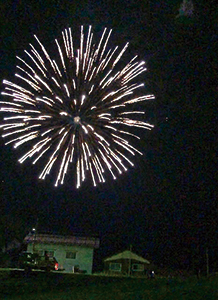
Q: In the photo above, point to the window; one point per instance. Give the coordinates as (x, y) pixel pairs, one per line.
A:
(138, 267)
(50, 253)
(115, 267)
(40, 252)
(71, 255)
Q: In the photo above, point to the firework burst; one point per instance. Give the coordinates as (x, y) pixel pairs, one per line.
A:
(75, 108)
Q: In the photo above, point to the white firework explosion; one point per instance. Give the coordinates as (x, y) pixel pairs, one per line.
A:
(75, 109)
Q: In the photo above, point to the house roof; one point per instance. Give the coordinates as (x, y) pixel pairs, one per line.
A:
(127, 255)
(60, 239)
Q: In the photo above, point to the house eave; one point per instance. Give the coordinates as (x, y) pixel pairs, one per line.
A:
(65, 240)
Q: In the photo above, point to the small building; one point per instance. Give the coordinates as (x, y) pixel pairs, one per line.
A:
(74, 254)
(126, 263)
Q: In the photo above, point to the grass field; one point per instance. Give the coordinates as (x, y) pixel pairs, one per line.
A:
(39, 285)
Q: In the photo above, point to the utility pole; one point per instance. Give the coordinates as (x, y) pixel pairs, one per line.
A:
(129, 269)
(207, 261)
(34, 235)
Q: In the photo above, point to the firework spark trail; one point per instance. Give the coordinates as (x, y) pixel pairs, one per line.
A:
(74, 109)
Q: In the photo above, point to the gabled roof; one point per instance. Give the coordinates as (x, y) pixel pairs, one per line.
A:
(60, 239)
(127, 255)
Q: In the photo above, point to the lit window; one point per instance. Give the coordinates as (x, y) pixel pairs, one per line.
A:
(115, 267)
(138, 267)
(71, 255)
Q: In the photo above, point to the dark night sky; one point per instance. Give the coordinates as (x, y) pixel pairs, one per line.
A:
(166, 206)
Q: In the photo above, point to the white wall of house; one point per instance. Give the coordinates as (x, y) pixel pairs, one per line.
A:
(83, 257)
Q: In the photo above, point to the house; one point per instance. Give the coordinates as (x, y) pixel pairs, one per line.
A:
(126, 263)
(74, 254)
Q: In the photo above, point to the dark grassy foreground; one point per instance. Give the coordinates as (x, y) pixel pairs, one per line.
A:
(39, 285)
